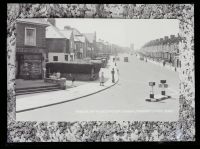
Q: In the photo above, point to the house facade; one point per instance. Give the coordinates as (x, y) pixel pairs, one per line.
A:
(60, 44)
(91, 44)
(79, 48)
(30, 48)
(166, 48)
(80, 43)
(103, 48)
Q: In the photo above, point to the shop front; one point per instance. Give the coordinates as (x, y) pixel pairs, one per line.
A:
(29, 66)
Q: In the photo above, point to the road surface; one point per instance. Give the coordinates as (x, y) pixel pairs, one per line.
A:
(123, 102)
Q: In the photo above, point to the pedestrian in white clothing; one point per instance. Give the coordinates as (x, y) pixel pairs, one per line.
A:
(102, 79)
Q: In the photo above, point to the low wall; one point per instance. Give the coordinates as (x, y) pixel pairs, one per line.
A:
(61, 82)
(81, 77)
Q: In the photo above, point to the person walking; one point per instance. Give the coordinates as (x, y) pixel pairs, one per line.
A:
(72, 78)
(113, 75)
(163, 63)
(58, 75)
(102, 79)
(118, 73)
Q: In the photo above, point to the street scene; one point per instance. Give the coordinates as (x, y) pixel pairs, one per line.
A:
(64, 74)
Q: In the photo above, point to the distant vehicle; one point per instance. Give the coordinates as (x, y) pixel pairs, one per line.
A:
(125, 59)
(117, 58)
(142, 58)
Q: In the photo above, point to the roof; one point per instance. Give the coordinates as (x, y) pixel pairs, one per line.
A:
(90, 37)
(53, 32)
(66, 33)
(34, 21)
(81, 38)
(76, 32)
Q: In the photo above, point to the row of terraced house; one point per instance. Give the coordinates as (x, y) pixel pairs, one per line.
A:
(166, 49)
(39, 41)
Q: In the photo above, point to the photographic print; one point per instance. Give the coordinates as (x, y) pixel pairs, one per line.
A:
(99, 76)
(100, 72)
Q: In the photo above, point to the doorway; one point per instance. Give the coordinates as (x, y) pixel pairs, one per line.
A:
(19, 63)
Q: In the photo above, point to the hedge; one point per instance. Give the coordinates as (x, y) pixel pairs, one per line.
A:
(73, 67)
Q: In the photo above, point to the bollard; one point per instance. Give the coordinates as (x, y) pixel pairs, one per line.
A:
(152, 84)
(151, 95)
(163, 93)
(163, 85)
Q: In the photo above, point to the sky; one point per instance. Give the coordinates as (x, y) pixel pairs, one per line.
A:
(123, 32)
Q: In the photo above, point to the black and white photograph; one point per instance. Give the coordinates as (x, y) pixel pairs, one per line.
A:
(97, 70)
(100, 67)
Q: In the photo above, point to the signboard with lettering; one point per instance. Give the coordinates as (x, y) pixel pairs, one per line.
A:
(160, 85)
(152, 83)
(29, 50)
(165, 85)
(162, 81)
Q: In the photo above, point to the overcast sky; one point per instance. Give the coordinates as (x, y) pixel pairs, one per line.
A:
(124, 31)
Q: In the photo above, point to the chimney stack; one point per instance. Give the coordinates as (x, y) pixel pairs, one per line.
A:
(172, 36)
(67, 27)
(52, 21)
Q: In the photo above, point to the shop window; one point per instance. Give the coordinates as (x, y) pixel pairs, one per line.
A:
(30, 36)
(55, 58)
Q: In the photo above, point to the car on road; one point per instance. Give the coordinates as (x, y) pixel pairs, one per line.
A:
(117, 58)
(142, 58)
(125, 59)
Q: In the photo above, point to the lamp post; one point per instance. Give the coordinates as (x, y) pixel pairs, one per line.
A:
(44, 73)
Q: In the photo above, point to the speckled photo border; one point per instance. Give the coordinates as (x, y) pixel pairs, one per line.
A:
(80, 131)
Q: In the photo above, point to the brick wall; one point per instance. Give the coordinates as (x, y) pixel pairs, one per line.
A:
(56, 45)
(40, 35)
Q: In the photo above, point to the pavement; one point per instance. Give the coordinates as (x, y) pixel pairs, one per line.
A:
(167, 66)
(35, 101)
(21, 83)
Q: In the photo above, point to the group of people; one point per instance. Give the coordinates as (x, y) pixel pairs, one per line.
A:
(58, 75)
(102, 78)
(55, 75)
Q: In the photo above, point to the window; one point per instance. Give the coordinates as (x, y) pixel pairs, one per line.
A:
(178, 51)
(66, 57)
(71, 57)
(70, 44)
(55, 58)
(30, 36)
